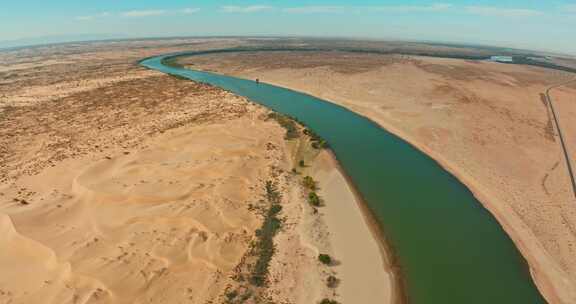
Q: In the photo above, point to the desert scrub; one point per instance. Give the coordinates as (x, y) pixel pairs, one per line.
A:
(287, 123)
(332, 282)
(328, 301)
(309, 183)
(171, 62)
(179, 77)
(231, 295)
(252, 274)
(264, 244)
(317, 141)
(325, 259)
(314, 199)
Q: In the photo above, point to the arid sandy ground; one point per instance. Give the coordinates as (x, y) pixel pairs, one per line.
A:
(123, 185)
(483, 121)
(43, 73)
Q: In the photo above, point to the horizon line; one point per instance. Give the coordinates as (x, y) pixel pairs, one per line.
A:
(170, 37)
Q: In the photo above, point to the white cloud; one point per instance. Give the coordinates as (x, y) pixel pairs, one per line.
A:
(189, 10)
(410, 8)
(84, 18)
(88, 18)
(360, 9)
(439, 6)
(501, 12)
(144, 13)
(315, 9)
(245, 9)
(139, 13)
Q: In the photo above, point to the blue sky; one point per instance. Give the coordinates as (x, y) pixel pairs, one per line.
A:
(544, 24)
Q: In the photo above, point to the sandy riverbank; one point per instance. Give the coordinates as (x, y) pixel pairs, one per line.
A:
(366, 267)
(484, 122)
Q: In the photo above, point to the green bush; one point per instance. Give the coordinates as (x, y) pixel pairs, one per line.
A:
(287, 123)
(317, 141)
(275, 209)
(264, 244)
(301, 163)
(172, 62)
(325, 259)
(328, 301)
(320, 144)
(314, 199)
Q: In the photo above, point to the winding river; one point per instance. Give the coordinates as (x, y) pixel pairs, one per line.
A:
(450, 249)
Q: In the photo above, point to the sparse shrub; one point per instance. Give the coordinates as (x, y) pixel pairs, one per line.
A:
(275, 209)
(287, 123)
(325, 259)
(301, 163)
(231, 295)
(328, 301)
(332, 281)
(258, 280)
(272, 193)
(179, 77)
(263, 246)
(245, 296)
(309, 183)
(314, 199)
(317, 141)
(320, 144)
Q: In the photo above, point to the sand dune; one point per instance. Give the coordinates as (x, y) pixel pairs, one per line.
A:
(179, 205)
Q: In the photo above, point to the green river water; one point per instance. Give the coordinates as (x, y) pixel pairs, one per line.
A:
(450, 249)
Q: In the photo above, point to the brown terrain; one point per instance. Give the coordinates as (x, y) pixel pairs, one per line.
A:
(123, 185)
(485, 122)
